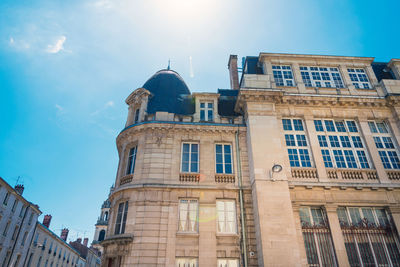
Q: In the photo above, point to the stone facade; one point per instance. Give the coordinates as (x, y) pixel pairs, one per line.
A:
(17, 223)
(296, 201)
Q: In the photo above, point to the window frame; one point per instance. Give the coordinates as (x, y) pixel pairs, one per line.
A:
(130, 165)
(339, 153)
(121, 221)
(223, 159)
(283, 81)
(190, 157)
(206, 109)
(228, 262)
(354, 74)
(225, 216)
(187, 262)
(188, 219)
(330, 71)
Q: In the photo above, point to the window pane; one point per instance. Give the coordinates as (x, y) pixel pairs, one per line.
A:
(287, 124)
(318, 126)
(329, 126)
(298, 125)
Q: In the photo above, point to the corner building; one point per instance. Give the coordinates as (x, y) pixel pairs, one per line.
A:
(296, 165)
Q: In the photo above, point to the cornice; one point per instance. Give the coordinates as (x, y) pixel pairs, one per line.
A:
(322, 58)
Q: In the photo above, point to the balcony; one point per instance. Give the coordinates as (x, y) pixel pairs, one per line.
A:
(126, 179)
(189, 177)
(102, 222)
(256, 81)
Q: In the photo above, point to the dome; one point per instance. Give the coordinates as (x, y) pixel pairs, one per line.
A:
(169, 92)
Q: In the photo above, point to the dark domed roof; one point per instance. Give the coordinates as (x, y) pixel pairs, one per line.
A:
(169, 92)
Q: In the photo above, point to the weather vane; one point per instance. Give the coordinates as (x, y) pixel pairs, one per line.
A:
(169, 64)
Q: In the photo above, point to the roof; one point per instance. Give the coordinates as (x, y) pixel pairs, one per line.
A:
(226, 102)
(169, 93)
(382, 71)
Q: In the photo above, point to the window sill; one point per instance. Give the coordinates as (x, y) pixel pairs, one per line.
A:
(227, 235)
(187, 234)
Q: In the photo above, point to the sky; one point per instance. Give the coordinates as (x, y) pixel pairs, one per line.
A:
(66, 68)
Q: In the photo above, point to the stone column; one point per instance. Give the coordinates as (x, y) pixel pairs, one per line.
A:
(337, 236)
(373, 151)
(300, 238)
(297, 78)
(395, 212)
(315, 148)
(274, 222)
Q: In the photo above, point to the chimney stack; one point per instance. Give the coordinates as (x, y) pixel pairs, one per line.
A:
(233, 72)
(64, 234)
(79, 240)
(19, 188)
(85, 241)
(47, 220)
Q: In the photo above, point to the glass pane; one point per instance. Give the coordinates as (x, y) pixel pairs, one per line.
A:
(218, 148)
(220, 168)
(304, 216)
(355, 215)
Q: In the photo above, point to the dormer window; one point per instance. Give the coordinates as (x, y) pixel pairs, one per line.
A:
(359, 78)
(137, 115)
(283, 75)
(206, 111)
(321, 77)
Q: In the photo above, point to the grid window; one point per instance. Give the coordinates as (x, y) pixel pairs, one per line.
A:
(342, 146)
(223, 156)
(317, 237)
(228, 263)
(387, 149)
(186, 262)
(122, 213)
(188, 215)
(131, 160)
(359, 78)
(369, 237)
(283, 75)
(190, 158)
(318, 126)
(296, 143)
(321, 77)
(5, 200)
(226, 216)
(14, 205)
(206, 111)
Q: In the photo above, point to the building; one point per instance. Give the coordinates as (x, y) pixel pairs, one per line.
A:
(17, 223)
(89, 255)
(296, 165)
(50, 250)
(101, 225)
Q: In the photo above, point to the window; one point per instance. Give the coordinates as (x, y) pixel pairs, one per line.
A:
(359, 78)
(137, 112)
(341, 144)
(387, 149)
(30, 218)
(121, 218)
(206, 111)
(226, 216)
(186, 262)
(21, 213)
(283, 75)
(131, 160)
(369, 236)
(6, 228)
(5, 201)
(228, 263)
(296, 143)
(223, 156)
(317, 237)
(14, 235)
(321, 77)
(8, 254)
(24, 238)
(188, 215)
(190, 157)
(14, 205)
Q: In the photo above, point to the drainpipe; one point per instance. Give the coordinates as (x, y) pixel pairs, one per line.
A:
(244, 244)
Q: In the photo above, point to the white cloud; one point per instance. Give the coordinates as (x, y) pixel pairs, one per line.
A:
(60, 109)
(103, 4)
(58, 46)
(12, 41)
(109, 104)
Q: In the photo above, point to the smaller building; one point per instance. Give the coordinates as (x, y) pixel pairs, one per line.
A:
(17, 224)
(102, 224)
(48, 249)
(89, 255)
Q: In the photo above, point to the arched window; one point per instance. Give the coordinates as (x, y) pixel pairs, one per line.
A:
(102, 235)
(106, 216)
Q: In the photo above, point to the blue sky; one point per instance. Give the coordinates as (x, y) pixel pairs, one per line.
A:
(66, 68)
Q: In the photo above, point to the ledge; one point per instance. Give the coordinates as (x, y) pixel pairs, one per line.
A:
(121, 239)
(126, 179)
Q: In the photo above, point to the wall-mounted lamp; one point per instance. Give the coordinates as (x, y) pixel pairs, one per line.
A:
(275, 169)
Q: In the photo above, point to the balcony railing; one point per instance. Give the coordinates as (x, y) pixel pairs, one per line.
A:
(304, 173)
(189, 177)
(393, 175)
(224, 178)
(126, 179)
(351, 175)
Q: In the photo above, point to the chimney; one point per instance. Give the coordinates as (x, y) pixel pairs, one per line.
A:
(19, 188)
(85, 241)
(64, 234)
(79, 240)
(47, 220)
(233, 72)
